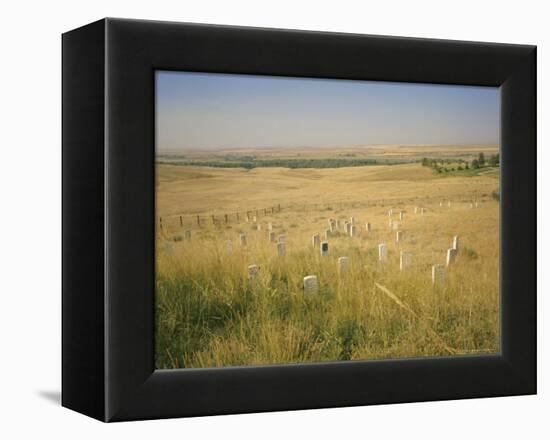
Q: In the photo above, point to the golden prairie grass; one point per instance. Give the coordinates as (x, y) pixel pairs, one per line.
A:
(210, 314)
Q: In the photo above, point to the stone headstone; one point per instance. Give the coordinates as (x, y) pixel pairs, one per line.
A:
(382, 252)
(401, 215)
(405, 260)
(438, 274)
(455, 242)
(324, 248)
(282, 238)
(311, 285)
(281, 249)
(451, 256)
(352, 220)
(253, 271)
(327, 234)
(399, 236)
(254, 219)
(316, 240)
(348, 228)
(353, 231)
(343, 264)
(449, 203)
(188, 234)
(242, 238)
(416, 210)
(367, 227)
(271, 236)
(395, 226)
(270, 226)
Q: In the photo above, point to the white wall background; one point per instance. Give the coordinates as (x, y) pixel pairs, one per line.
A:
(30, 231)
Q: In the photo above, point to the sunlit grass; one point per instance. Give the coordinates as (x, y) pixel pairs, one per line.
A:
(209, 314)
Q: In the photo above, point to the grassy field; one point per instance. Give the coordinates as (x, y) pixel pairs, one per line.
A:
(209, 313)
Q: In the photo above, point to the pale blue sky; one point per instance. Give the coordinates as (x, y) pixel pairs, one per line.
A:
(211, 111)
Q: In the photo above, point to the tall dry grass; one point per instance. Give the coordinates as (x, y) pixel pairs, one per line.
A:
(209, 314)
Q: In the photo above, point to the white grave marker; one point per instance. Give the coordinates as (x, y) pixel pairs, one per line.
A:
(405, 260)
(270, 226)
(281, 249)
(367, 227)
(352, 220)
(327, 234)
(316, 240)
(438, 274)
(399, 236)
(353, 231)
(382, 252)
(311, 284)
(343, 264)
(401, 215)
(455, 242)
(451, 256)
(348, 228)
(252, 271)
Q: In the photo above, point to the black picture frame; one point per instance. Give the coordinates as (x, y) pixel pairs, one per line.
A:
(108, 219)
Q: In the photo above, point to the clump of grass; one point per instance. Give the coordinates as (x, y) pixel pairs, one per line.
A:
(469, 253)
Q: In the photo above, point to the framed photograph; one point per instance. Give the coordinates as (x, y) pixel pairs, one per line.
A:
(264, 219)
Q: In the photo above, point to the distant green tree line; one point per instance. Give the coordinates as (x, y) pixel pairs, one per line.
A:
(439, 165)
(283, 163)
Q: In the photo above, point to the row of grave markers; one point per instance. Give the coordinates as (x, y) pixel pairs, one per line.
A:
(405, 260)
(438, 271)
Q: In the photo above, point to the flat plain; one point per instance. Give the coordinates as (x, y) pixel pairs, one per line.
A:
(211, 311)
